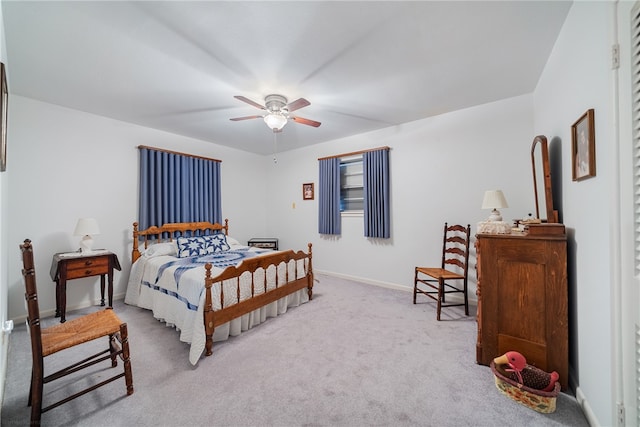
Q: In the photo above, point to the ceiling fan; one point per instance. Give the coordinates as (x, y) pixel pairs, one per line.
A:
(278, 111)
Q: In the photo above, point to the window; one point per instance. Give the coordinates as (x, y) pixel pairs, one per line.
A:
(355, 184)
(177, 187)
(351, 185)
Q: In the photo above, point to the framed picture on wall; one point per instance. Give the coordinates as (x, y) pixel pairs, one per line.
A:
(583, 147)
(4, 103)
(307, 191)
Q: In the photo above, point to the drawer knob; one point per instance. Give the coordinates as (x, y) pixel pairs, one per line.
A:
(88, 263)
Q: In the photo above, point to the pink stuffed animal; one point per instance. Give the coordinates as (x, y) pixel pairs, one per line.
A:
(514, 365)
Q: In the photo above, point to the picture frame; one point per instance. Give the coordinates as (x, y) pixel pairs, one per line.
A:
(583, 147)
(307, 191)
(4, 103)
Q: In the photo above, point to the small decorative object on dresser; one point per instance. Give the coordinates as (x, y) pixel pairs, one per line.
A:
(583, 147)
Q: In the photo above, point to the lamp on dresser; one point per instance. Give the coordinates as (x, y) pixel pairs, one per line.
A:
(86, 227)
(494, 200)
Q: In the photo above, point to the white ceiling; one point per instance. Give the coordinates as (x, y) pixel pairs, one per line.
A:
(176, 65)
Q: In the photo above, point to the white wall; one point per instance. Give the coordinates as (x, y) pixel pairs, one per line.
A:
(65, 164)
(440, 168)
(578, 77)
(4, 343)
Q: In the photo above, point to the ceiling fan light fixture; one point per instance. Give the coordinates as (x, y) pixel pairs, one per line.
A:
(275, 121)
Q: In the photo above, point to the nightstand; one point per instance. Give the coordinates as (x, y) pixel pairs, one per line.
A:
(75, 265)
(264, 243)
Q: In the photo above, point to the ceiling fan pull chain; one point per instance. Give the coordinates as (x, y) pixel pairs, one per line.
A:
(275, 160)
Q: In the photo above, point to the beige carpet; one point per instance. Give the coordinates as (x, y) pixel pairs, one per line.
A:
(357, 355)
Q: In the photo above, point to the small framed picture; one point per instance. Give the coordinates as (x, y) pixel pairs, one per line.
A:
(307, 191)
(4, 98)
(583, 147)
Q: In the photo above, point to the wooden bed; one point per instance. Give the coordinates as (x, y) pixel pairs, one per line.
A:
(298, 275)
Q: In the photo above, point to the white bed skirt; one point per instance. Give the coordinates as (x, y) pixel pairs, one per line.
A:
(190, 323)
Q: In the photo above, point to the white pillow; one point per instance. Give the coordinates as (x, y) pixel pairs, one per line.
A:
(232, 242)
(158, 249)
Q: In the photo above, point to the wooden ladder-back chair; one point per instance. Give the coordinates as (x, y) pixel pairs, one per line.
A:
(62, 336)
(454, 268)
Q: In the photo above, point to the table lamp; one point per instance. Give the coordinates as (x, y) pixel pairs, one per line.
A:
(86, 227)
(494, 199)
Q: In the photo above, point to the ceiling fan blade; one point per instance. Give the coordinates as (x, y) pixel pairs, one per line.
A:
(235, 119)
(297, 104)
(250, 102)
(306, 121)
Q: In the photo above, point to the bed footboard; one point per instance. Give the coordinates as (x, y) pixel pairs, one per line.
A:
(214, 318)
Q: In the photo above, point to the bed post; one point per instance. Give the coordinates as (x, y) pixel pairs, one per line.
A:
(135, 253)
(208, 311)
(310, 276)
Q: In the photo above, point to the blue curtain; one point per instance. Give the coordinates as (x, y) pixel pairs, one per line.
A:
(178, 188)
(375, 168)
(329, 196)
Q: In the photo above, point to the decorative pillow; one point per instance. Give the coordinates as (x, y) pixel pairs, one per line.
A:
(191, 246)
(202, 245)
(216, 243)
(158, 249)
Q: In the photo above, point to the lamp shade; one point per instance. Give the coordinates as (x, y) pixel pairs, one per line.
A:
(494, 199)
(275, 121)
(86, 227)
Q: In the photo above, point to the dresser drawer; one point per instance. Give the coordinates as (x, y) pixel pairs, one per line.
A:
(87, 267)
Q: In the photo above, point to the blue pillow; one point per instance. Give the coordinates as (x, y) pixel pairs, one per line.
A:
(191, 246)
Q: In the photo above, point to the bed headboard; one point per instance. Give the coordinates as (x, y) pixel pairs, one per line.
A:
(170, 231)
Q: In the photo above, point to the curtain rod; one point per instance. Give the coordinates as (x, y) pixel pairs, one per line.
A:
(354, 153)
(178, 153)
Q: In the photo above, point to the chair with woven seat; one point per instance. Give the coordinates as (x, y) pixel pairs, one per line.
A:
(63, 336)
(451, 277)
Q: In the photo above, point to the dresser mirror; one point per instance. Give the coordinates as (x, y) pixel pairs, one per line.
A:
(542, 180)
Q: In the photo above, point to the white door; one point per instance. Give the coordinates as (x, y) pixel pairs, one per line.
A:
(628, 228)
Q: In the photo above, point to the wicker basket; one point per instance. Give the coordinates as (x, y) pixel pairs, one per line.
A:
(538, 400)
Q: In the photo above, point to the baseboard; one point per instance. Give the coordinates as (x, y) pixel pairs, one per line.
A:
(472, 301)
(586, 408)
(51, 312)
(4, 352)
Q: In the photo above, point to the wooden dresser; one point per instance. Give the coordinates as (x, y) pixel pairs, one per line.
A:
(522, 298)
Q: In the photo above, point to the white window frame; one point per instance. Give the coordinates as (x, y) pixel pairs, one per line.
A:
(344, 162)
